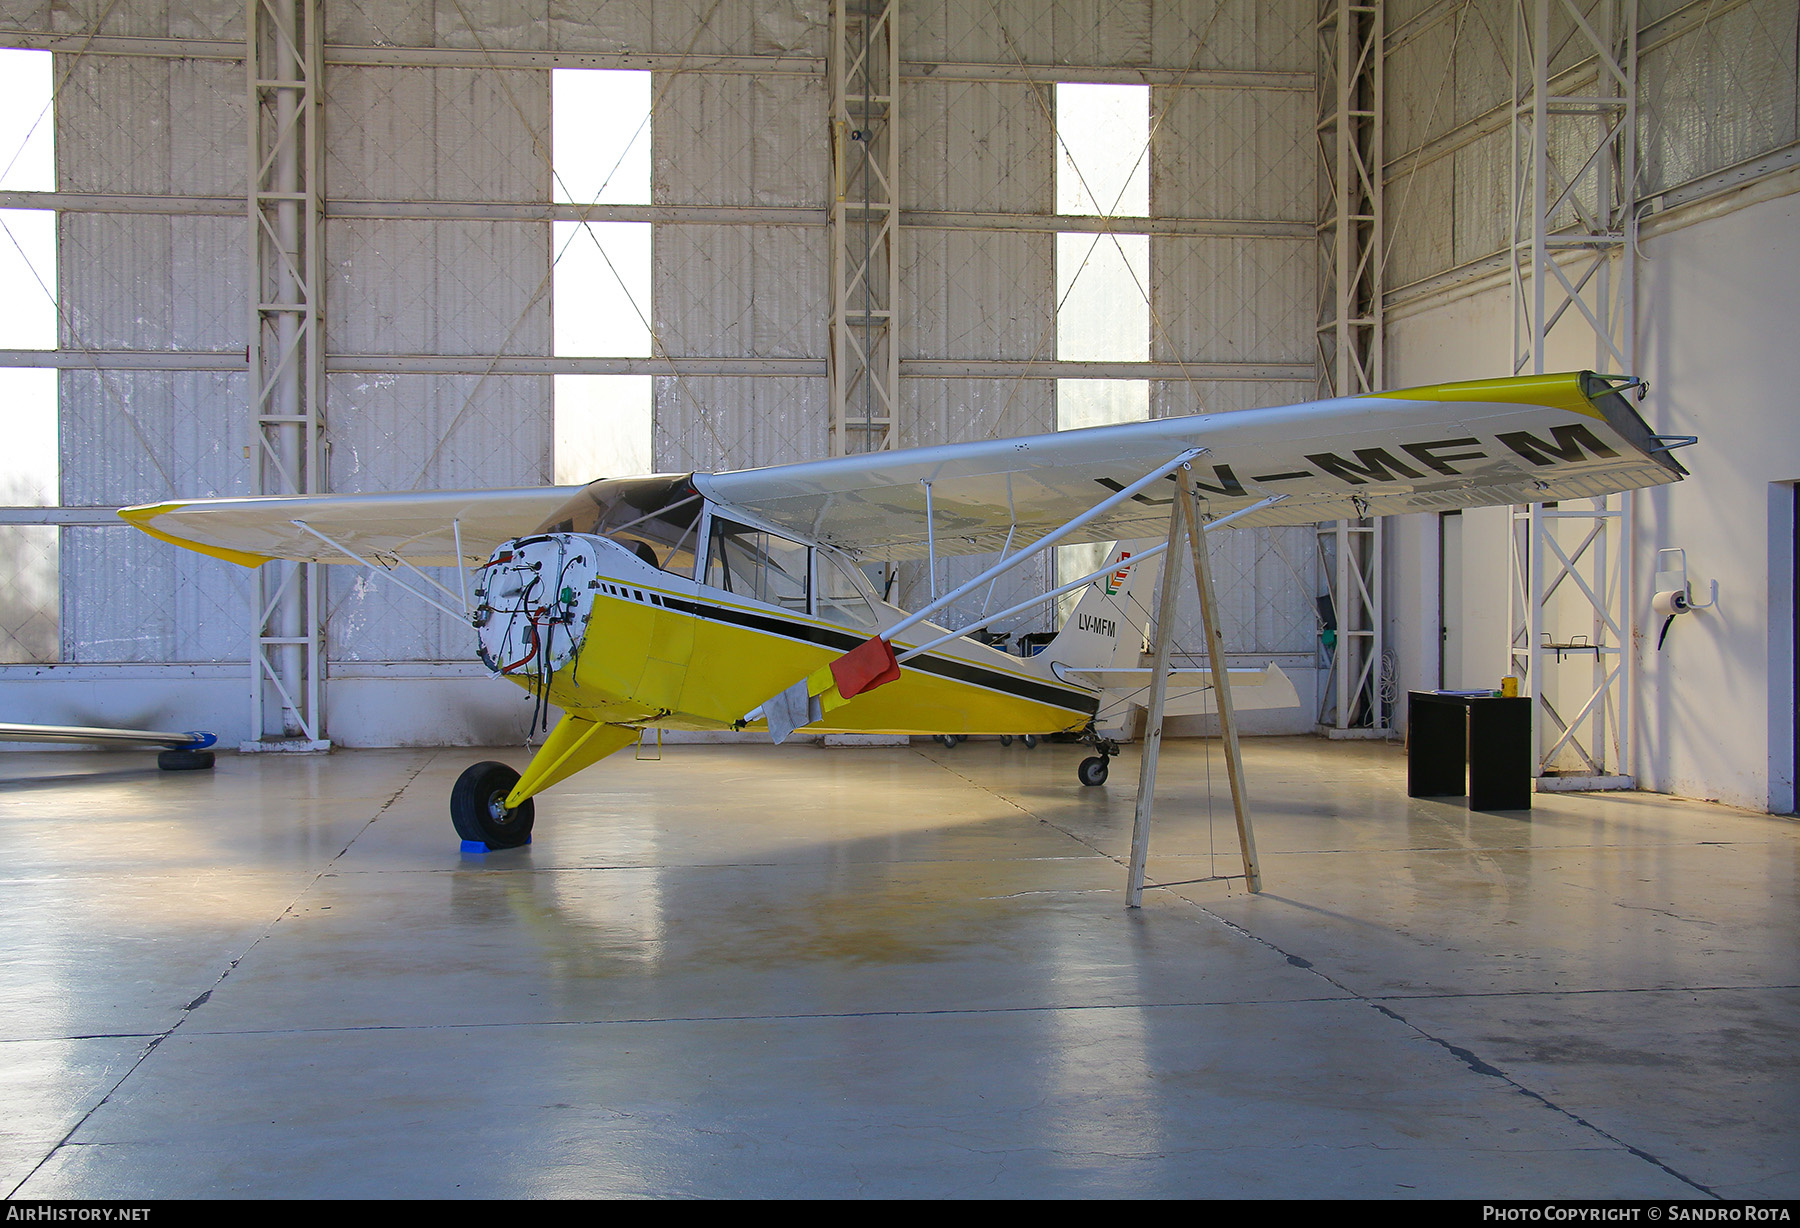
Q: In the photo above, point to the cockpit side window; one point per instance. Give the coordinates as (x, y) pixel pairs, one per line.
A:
(841, 599)
(758, 565)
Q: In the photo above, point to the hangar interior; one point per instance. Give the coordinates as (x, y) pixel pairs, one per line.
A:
(297, 246)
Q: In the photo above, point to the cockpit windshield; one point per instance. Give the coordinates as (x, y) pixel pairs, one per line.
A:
(654, 516)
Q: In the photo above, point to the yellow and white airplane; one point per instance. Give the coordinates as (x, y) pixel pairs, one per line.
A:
(727, 600)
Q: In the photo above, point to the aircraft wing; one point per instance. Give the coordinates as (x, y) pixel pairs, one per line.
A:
(420, 527)
(1531, 439)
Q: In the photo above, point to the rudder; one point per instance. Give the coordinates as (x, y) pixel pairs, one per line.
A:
(1106, 628)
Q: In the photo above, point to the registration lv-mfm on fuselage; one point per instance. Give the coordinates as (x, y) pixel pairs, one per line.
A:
(743, 599)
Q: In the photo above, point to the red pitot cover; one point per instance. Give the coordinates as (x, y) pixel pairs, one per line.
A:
(869, 665)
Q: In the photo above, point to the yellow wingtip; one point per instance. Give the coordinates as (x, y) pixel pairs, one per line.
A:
(1560, 391)
(139, 518)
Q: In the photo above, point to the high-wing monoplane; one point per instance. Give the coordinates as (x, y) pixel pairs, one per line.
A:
(709, 601)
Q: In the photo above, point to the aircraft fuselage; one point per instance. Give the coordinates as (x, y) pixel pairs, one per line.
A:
(605, 635)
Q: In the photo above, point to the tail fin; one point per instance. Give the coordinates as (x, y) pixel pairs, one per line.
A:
(1106, 628)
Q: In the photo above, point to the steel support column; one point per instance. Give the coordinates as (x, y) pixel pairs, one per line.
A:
(865, 215)
(1573, 242)
(1351, 98)
(282, 59)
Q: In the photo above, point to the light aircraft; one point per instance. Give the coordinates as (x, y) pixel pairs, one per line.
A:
(710, 601)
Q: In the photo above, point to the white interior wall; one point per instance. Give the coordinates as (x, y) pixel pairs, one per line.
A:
(1716, 303)
(1716, 313)
(1466, 338)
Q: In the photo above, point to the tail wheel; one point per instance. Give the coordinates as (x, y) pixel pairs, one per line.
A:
(478, 807)
(184, 760)
(1092, 771)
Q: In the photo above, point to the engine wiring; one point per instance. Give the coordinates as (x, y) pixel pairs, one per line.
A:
(526, 641)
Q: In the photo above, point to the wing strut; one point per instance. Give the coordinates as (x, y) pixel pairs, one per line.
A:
(799, 691)
(1042, 544)
(1053, 594)
(462, 615)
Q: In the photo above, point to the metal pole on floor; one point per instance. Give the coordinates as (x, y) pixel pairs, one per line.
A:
(1215, 655)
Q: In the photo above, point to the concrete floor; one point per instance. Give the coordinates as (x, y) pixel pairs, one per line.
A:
(768, 971)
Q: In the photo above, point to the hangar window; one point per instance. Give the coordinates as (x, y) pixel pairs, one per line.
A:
(1102, 138)
(600, 156)
(29, 473)
(1102, 275)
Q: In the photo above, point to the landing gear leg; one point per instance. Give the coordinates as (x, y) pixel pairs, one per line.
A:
(478, 807)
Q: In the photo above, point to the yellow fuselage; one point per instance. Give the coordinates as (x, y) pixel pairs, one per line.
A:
(688, 657)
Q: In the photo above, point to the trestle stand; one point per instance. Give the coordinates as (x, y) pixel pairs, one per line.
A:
(1184, 516)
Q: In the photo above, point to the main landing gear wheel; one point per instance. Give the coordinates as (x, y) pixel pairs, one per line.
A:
(1092, 771)
(1031, 741)
(183, 760)
(478, 807)
(947, 740)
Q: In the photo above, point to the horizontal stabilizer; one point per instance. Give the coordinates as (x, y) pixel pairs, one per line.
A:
(1190, 690)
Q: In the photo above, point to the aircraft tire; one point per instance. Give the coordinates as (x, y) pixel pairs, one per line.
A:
(1092, 771)
(1006, 739)
(1031, 741)
(184, 760)
(477, 812)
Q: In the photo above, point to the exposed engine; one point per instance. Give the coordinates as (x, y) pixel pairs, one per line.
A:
(532, 599)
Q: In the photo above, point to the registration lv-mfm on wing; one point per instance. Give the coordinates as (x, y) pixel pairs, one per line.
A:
(729, 600)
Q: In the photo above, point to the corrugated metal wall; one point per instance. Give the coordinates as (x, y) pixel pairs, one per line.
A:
(742, 138)
(155, 127)
(437, 153)
(1717, 87)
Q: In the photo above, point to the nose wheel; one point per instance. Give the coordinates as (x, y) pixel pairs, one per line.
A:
(478, 807)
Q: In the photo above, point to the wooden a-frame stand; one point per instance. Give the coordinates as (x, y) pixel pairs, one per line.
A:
(1184, 517)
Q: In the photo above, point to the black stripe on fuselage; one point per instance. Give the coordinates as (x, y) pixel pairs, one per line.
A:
(844, 641)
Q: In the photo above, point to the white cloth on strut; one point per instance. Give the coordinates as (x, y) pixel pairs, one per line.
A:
(790, 710)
